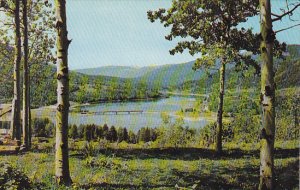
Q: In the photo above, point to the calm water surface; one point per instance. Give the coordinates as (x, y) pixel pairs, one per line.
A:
(151, 116)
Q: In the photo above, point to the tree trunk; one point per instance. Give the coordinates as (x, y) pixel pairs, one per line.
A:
(29, 115)
(62, 172)
(296, 120)
(25, 79)
(220, 110)
(16, 109)
(267, 98)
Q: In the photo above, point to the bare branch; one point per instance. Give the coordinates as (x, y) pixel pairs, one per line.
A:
(286, 28)
(279, 17)
(273, 14)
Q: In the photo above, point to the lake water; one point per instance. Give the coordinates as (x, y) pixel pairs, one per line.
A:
(150, 117)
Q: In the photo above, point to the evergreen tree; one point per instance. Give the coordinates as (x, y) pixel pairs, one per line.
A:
(125, 133)
(132, 137)
(105, 131)
(87, 134)
(153, 134)
(112, 134)
(99, 132)
(120, 133)
(73, 132)
(147, 134)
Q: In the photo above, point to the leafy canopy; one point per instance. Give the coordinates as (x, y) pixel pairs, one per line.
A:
(212, 29)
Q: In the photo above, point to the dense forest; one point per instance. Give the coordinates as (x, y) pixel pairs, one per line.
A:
(245, 84)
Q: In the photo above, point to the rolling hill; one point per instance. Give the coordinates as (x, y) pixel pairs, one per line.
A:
(158, 76)
(175, 75)
(117, 71)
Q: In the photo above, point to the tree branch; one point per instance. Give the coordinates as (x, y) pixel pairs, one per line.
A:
(286, 28)
(279, 17)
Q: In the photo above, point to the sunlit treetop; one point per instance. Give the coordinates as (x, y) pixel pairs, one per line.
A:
(212, 28)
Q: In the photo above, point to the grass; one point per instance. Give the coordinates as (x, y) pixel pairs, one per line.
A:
(154, 168)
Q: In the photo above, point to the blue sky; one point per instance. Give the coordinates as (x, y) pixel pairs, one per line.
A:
(117, 32)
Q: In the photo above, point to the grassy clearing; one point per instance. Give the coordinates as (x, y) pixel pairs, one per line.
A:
(154, 168)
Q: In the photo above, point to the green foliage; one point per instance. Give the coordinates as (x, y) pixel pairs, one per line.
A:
(287, 115)
(132, 138)
(287, 74)
(173, 134)
(43, 127)
(89, 132)
(122, 134)
(206, 28)
(73, 132)
(41, 44)
(99, 132)
(105, 131)
(112, 135)
(12, 178)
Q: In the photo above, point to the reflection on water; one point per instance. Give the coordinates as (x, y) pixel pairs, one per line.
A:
(151, 116)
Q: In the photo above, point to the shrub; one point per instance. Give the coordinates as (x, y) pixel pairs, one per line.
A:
(43, 127)
(175, 135)
(11, 178)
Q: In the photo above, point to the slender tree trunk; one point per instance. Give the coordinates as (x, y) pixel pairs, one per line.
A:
(62, 172)
(220, 109)
(25, 79)
(267, 98)
(16, 109)
(29, 110)
(296, 120)
(29, 115)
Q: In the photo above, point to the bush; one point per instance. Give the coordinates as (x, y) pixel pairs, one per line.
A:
(175, 135)
(43, 127)
(11, 178)
(287, 115)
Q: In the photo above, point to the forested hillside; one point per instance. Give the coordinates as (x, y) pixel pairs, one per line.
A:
(95, 88)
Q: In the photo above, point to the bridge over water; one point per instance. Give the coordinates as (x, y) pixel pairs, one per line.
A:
(114, 112)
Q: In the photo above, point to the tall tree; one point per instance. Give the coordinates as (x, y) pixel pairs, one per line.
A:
(62, 172)
(41, 41)
(16, 107)
(210, 28)
(268, 91)
(26, 106)
(268, 97)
